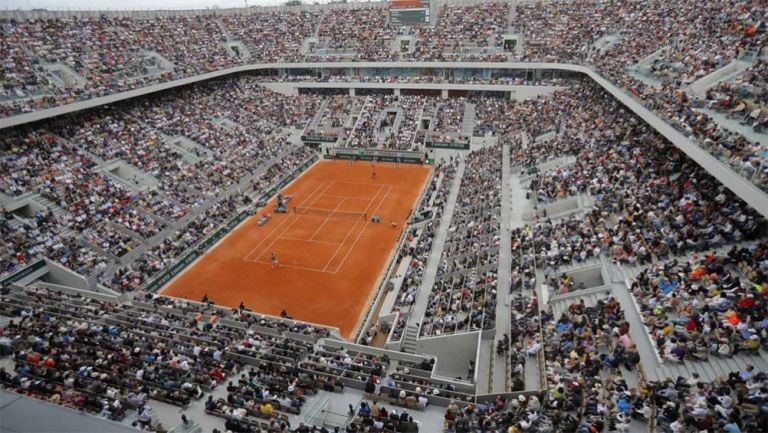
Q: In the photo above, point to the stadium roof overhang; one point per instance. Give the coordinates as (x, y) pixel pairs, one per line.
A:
(741, 186)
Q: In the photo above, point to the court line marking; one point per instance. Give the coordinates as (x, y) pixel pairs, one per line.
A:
(356, 197)
(311, 239)
(326, 219)
(304, 268)
(298, 217)
(277, 238)
(364, 183)
(338, 245)
(349, 250)
(308, 240)
(321, 194)
(355, 226)
(283, 221)
(338, 268)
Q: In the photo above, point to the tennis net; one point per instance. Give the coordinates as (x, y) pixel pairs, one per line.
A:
(301, 210)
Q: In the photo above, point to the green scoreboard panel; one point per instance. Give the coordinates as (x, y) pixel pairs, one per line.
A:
(408, 17)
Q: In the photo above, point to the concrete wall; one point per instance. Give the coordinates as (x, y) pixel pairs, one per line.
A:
(591, 276)
(25, 414)
(560, 208)
(453, 352)
(60, 275)
(519, 93)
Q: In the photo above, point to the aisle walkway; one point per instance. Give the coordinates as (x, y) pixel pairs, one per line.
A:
(500, 373)
(430, 273)
(656, 369)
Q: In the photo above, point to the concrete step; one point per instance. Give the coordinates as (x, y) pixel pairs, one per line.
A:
(468, 121)
(727, 72)
(409, 339)
(532, 373)
(17, 222)
(49, 204)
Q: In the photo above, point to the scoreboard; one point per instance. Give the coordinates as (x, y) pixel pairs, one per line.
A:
(408, 17)
(408, 12)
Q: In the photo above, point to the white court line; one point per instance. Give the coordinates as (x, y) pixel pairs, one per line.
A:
(283, 221)
(309, 240)
(277, 238)
(291, 224)
(360, 235)
(304, 268)
(326, 220)
(321, 194)
(363, 183)
(355, 225)
(356, 197)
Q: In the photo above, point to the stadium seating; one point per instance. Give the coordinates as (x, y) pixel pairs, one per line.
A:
(465, 292)
(120, 193)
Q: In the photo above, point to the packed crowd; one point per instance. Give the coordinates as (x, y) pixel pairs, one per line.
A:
(62, 60)
(420, 241)
(698, 38)
(105, 368)
(745, 98)
(354, 35)
(376, 418)
(92, 212)
(466, 32)
(383, 121)
(695, 44)
(111, 359)
(523, 340)
(157, 258)
(464, 295)
(337, 112)
(410, 109)
(710, 305)
(374, 124)
(621, 164)
(107, 358)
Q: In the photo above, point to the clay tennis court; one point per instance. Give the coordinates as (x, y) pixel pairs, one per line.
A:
(329, 266)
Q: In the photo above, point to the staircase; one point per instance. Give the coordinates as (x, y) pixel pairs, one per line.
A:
(468, 121)
(316, 33)
(318, 117)
(430, 273)
(727, 72)
(57, 211)
(642, 71)
(15, 222)
(520, 205)
(590, 298)
(500, 370)
(224, 30)
(409, 339)
(512, 16)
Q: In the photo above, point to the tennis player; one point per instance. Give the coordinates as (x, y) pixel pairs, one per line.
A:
(275, 262)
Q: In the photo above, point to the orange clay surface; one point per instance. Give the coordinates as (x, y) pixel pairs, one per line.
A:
(328, 267)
